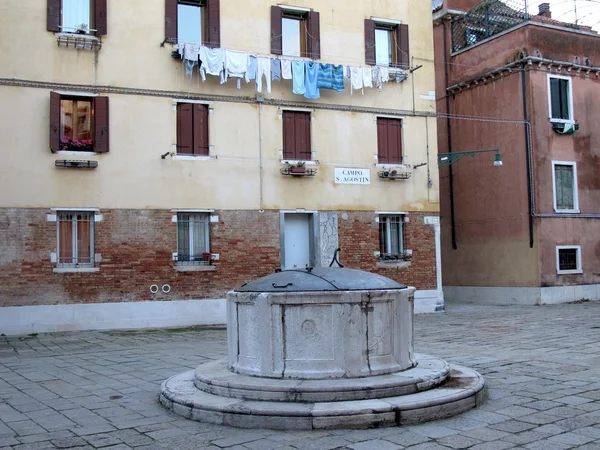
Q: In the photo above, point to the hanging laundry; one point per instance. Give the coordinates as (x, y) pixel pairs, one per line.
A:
(377, 78)
(212, 60)
(385, 74)
(263, 67)
(286, 69)
(298, 77)
(189, 52)
(356, 78)
(312, 76)
(251, 72)
(236, 65)
(337, 73)
(325, 79)
(275, 69)
(367, 76)
(348, 71)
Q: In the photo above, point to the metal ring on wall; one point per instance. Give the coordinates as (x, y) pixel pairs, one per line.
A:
(166, 288)
(154, 288)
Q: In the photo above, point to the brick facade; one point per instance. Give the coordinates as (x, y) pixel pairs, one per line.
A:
(136, 249)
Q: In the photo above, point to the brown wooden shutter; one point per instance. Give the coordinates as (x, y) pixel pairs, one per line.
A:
(200, 129)
(289, 135)
(276, 30)
(53, 15)
(101, 129)
(302, 125)
(171, 21)
(370, 42)
(185, 128)
(214, 23)
(382, 141)
(394, 132)
(54, 121)
(100, 22)
(402, 46)
(314, 35)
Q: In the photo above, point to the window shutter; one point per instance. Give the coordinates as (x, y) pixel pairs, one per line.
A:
(101, 138)
(276, 30)
(214, 23)
(54, 121)
(185, 124)
(314, 35)
(394, 131)
(369, 42)
(302, 122)
(200, 129)
(171, 21)
(53, 15)
(289, 135)
(382, 141)
(100, 22)
(402, 46)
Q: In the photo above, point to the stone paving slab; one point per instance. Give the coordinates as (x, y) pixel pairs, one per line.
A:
(90, 390)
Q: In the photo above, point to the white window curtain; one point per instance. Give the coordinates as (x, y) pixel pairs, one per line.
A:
(75, 13)
(383, 47)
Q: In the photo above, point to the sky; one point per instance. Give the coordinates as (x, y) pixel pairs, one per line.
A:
(588, 11)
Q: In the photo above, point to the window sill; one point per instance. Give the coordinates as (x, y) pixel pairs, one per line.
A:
(192, 157)
(393, 166)
(569, 272)
(553, 120)
(294, 162)
(194, 268)
(567, 211)
(76, 269)
(392, 264)
(75, 153)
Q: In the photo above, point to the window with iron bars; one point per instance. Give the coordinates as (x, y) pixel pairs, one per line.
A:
(75, 239)
(193, 239)
(391, 237)
(568, 259)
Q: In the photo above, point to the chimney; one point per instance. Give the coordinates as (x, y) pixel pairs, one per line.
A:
(544, 10)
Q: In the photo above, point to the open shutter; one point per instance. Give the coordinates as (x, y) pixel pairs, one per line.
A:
(185, 127)
(100, 22)
(302, 122)
(382, 141)
(214, 23)
(200, 129)
(53, 15)
(394, 133)
(101, 141)
(54, 121)
(402, 46)
(370, 42)
(171, 21)
(289, 135)
(314, 35)
(276, 30)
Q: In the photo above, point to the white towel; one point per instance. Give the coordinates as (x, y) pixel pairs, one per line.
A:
(356, 78)
(367, 76)
(189, 52)
(212, 61)
(286, 69)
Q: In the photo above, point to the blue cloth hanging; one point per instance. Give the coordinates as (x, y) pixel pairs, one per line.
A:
(312, 75)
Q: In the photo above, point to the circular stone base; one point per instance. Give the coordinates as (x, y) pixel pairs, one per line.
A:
(463, 390)
(214, 378)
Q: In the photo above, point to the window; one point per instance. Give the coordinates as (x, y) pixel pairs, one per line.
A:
(77, 16)
(295, 32)
(568, 259)
(565, 186)
(391, 237)
(296, 136)
(560, 98)
(474, 35)
(194, 21)
(75, 239)
(78, 123)
(386, 43)
(193, 241)
(389, 141)
(192, 129)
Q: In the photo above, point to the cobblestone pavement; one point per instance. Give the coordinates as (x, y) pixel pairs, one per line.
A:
(90, 390)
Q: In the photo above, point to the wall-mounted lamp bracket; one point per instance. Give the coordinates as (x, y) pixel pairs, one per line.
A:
(447, 159)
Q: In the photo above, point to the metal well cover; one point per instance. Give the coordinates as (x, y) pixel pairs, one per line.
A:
(320, 279)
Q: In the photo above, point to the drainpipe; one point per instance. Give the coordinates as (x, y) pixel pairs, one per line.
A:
(260, 100)
(528, 154)
(452, 221)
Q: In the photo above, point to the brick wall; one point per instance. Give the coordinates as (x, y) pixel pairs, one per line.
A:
(137, 246)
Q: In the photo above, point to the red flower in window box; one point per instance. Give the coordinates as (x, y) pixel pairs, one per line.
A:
(67, 143)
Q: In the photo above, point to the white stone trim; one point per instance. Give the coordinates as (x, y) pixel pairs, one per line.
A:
(383, 21)
(184, 100)
(521, 295)
(75, 269)
(187, 210)
(74, 153)
(192, 157)
(575, 188)
(297, 161)
(76, 209)
(293, 8)
(571, 112)
(21, 320)
(76, 93)
(567, 247)
(291, 108)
